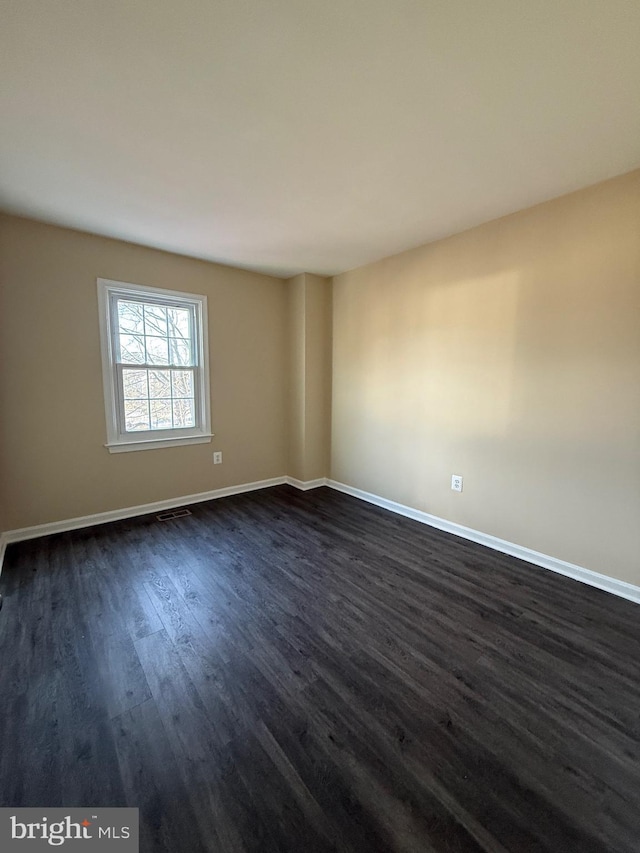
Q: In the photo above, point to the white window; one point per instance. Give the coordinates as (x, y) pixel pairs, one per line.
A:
(155, 366)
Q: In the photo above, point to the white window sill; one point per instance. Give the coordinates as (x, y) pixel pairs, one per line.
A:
(157, 443)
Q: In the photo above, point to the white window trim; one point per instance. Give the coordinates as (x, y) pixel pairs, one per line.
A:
(118, 442)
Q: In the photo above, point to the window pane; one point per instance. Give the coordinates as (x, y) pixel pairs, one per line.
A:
(180, 351)
(132, 349)
(136, 415)
(159, 383)
(179, 322)
(152, 366)
(130, 317)
(183, 413)
(134, 383)
(157, 351)
(161, 414)
(155, 320)
(182, 382)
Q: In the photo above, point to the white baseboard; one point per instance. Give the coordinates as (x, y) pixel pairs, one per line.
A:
(305, 485)
(23, 533)
(608, 584)
(604, 582)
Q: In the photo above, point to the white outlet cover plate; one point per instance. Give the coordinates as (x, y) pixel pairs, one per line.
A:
(456, 482)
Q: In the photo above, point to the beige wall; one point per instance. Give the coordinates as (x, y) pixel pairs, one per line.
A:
(509, 354)
(309, 332)
(53, 464)
(318, 342)
(296, 339)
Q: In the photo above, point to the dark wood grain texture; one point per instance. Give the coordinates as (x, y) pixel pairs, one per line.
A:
(287, 671)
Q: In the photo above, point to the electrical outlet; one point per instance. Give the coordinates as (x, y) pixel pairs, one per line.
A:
(456, 482)
(217, 457)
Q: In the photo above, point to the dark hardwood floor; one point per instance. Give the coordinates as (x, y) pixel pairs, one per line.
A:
(288, 671)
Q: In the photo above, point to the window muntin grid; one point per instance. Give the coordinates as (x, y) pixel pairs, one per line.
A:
(155, 364)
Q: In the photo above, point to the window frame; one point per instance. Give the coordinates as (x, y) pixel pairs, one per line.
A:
(118, 440)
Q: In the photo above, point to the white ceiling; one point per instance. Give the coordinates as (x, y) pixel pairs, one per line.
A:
(290, 135)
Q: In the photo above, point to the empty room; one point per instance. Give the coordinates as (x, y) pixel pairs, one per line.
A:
(320, 426)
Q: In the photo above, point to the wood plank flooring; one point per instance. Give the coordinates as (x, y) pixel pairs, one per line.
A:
(289, 671)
